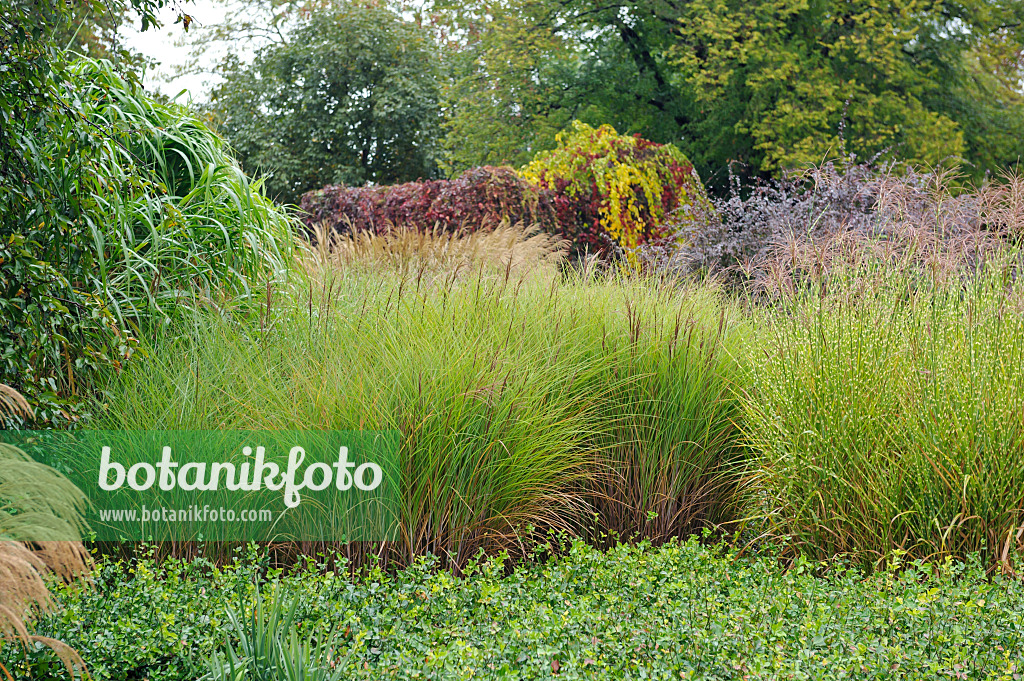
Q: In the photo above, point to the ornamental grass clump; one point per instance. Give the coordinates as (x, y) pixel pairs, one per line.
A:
(436, 253)
(40, 514)
(173, 218)
(671, 461)
(523, 400)
(886, 404)
(135, 213)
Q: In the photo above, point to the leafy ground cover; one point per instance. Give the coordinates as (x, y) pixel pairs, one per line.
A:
(684, 610)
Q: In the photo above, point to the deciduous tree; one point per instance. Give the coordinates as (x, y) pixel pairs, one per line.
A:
(351, 96)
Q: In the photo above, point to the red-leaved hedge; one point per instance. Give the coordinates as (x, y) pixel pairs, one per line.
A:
(480, 198)
(601, 191)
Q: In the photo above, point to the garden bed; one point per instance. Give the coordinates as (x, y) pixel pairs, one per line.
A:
(685, 610)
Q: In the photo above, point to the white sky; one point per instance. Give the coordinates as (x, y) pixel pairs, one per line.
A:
(159, 44)
(164, 45)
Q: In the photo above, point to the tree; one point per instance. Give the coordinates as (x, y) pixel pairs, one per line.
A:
(509, 87)
(519, 71)
(34, 64)
(92, 29)
(775, 81)
(350, 96)
(770, 83)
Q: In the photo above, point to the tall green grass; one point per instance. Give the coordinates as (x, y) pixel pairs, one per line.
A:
(173, 216)
(887, 405)
(668, 436)
(170, 217)
(131, 211)
(524, 402)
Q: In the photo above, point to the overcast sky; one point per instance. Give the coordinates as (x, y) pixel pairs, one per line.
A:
(159, 44)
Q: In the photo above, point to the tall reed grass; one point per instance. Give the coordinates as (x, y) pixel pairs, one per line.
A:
(131, 211)
(170, 215)
(886, 403)
(525, 399)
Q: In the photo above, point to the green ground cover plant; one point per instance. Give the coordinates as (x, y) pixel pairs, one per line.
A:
(684, 610)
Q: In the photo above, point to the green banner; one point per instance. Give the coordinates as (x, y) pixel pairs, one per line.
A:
(224, 485)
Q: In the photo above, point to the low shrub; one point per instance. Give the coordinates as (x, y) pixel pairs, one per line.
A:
(773, 232)
(616, 192)
(684, 610)
(754, 220)
(141, 619)
(886, 406)
(481, 198)
(518, 398)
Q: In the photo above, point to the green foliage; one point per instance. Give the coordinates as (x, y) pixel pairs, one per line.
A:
(92, 31)
(351, 97)
(271, 649)
(618, 191)
(136, 211)
(774, 84)
(499, 95)
(56, 336)
(778, 81)
(31, 102)
(51, 329)
(170, 214)
(99, 232)
(520, 71)
(517, 398)
(681, 611)
(144, 619)
(887, 411)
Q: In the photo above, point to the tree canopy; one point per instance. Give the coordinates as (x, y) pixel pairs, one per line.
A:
(350, 96)
(778, 81)
(34, 37)
(769, 83)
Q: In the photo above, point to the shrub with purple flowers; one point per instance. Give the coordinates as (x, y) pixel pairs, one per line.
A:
(804, 223)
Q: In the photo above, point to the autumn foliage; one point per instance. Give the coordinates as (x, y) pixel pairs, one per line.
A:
(616, 191)
(601, 191)
(481, 198)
